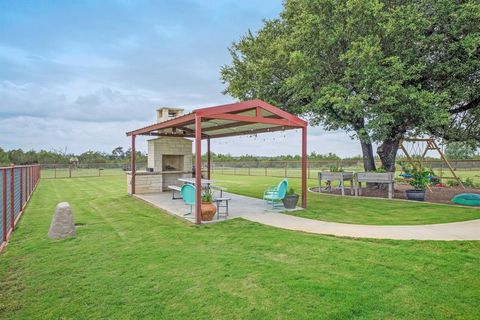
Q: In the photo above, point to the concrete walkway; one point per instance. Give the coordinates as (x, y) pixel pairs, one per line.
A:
(467, 230)
(253, 209)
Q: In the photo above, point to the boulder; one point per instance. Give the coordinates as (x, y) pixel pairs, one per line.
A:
(62, 223)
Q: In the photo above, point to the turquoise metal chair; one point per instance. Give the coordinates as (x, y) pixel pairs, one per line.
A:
(188, 195)
(274, 195)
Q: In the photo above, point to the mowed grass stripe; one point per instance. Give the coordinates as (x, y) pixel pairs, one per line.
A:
(353, 210)
(130, 260)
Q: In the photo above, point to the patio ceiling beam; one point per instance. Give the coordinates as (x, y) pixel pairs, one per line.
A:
(182, 120)
(248, 105)
(232, 125)
(191, 131)
(167, 134)
(239, 118)
(231, 107)
(254, 131)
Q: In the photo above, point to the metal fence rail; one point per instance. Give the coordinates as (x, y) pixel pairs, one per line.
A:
(466, 169)
(17, 184)
(272, 168)
(54, 171)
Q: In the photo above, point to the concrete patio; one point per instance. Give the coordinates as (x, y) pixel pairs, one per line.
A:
(253, 210)
(239, 206)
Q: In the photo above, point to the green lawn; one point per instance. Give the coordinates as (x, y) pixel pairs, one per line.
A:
(312, 172)
(130, 260)
(353, 210)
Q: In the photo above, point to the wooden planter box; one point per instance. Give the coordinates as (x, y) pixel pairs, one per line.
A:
(336, 176)
(374, 177)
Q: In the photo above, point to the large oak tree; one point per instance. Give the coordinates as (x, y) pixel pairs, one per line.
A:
(380, 70)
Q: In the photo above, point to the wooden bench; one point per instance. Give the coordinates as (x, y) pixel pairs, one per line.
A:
(177, 189)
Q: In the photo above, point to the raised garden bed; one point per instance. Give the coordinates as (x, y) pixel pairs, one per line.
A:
(438, 195)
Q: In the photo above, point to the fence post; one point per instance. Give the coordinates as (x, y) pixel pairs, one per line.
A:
(69, 170)
(12, 197)
(54, 171)
(4, 204)
(248, 170)
(286, 164)
(30, 188)
(21, 188)
(265, 169)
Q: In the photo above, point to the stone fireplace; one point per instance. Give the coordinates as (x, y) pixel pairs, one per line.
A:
(169, 158)
(172, 162)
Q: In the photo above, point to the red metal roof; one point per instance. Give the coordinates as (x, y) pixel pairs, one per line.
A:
(241, 118)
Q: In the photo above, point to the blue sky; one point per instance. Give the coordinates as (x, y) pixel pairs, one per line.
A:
(79, 74)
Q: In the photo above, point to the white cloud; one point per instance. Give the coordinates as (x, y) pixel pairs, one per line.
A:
(103, 104)
(84, 87)
(76, 136)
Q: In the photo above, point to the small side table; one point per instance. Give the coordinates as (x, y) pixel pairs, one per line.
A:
(219, 203)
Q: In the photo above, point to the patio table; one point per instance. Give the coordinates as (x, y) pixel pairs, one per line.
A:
(205, 182)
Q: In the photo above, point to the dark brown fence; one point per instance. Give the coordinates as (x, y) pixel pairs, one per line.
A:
(17, 184)
(290, 169)
(54, 171)
(465, 169)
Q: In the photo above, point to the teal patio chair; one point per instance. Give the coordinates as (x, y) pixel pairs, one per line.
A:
(274, 195)
(188, 195)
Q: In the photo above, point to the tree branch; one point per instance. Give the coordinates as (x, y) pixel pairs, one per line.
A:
(472, 104)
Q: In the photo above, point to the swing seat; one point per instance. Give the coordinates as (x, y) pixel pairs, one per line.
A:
(467, 199)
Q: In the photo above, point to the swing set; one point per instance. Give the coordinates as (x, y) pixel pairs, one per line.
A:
(415, 155)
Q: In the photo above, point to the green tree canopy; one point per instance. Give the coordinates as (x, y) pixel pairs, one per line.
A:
(380, 70)
(459, 150)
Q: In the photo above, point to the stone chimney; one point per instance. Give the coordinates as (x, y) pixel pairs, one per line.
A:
(164, 114)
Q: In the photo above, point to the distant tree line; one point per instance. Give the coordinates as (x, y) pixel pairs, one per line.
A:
(219, 157)
(21, 157)
(454, 151)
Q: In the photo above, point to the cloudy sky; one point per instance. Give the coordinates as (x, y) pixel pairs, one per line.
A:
(77, 75)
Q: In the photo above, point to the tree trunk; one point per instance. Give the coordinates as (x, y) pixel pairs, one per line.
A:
(387, 152)
(368, 158)
(366, 144)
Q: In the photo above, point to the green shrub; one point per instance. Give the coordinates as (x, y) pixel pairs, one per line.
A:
(468, 182)
(336, 168)
(453, 183)
(207, 196)
(420, 178)
(291, 192)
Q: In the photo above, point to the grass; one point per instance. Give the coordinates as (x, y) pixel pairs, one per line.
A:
(296, 172)
(271, 172)
(130, 260)
(353, 210)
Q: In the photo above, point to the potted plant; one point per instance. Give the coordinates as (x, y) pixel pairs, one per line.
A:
(420, 179)
(208, 209)
(291, 199)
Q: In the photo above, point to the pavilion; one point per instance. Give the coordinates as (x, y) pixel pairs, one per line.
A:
(236, 119)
